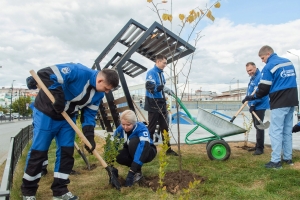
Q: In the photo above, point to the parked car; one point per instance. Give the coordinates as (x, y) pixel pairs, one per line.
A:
(15, 115)
(2, 116)
(7, 116)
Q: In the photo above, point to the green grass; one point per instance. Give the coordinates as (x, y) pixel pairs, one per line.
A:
(242, 176)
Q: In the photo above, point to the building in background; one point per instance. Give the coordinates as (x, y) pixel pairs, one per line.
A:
(7, 95)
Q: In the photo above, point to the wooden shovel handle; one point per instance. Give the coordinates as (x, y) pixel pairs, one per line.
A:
(67, 117)
(243, 106)
(255, 115)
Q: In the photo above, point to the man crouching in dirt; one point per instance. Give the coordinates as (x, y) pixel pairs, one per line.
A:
(138, 149)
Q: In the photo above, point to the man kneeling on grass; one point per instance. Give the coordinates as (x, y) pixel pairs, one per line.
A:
(137, 150)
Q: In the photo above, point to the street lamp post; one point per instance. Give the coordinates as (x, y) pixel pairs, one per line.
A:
(298, 79)
(11, 96)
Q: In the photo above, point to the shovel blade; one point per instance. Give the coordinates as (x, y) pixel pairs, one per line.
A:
(113, 177)
(263, 126)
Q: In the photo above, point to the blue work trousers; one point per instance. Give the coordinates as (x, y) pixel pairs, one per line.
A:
(281, 133)
(45, 129)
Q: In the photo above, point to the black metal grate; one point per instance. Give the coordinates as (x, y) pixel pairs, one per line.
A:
(131, 68)
(148, 42)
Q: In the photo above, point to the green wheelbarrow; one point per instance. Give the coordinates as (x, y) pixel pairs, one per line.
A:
(216, 147)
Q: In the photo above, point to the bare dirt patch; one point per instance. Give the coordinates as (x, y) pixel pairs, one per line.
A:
(172, 181)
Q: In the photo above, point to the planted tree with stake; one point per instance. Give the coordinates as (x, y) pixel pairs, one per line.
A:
(187, 22)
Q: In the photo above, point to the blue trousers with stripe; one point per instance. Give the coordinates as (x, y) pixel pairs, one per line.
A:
(45, 129)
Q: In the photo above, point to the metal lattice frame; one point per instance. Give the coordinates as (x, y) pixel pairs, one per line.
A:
(148, 43)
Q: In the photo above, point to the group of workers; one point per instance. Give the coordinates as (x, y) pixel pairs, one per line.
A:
(76, 87)
(274, 87)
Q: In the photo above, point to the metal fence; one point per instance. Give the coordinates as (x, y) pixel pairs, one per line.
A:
(17, 145)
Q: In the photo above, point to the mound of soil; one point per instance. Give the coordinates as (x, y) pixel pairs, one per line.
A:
(172, 181)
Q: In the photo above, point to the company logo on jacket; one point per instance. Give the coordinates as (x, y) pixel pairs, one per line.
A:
(66, 70)
(287, 73)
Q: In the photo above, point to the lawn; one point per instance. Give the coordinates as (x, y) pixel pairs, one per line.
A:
(242, 176)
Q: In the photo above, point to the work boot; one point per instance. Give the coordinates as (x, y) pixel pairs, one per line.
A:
(273, 165)
(67, 196)
(29, 198)
(170, 152)
(258, 152)
(289, 162)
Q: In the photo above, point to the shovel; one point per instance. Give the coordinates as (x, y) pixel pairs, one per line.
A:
(261, 125)
(113, 179)
(82, 156)
(243, 106)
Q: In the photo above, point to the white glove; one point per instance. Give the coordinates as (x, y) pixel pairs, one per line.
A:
(168, 91)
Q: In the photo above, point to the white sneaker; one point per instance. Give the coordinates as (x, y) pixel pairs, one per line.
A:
(67, 196)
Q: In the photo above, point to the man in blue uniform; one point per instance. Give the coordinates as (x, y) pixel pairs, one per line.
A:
(74, 87)
(138, 149)
(279, 81)
(259, 106)
(155, 101)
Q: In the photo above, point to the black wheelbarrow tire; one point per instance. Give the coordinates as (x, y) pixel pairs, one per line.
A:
(208, 144)
(218, 150)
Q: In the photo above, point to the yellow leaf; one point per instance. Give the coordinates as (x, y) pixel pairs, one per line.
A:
(202, 13)
(210, 16)
(192, 12)
(181, 17)
(149, 1)
(198, 14)
(170, 17)
(218, 5)
(165, 17)
(190, 18)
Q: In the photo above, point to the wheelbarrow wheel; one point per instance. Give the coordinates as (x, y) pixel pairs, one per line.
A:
(209, 143)
(218, 150)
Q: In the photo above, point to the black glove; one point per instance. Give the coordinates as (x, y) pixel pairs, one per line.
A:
(59, 105)
(296, 128)
(248, 98)
(159, 88)
(251, 109)
(91, 139)
(129, 179)
(31, 83)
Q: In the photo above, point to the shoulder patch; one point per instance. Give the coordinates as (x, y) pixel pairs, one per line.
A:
(65, 70)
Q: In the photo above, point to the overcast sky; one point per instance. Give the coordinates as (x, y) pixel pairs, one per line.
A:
(35, 34)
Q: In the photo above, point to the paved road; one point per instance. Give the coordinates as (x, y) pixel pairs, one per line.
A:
(8, 130)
